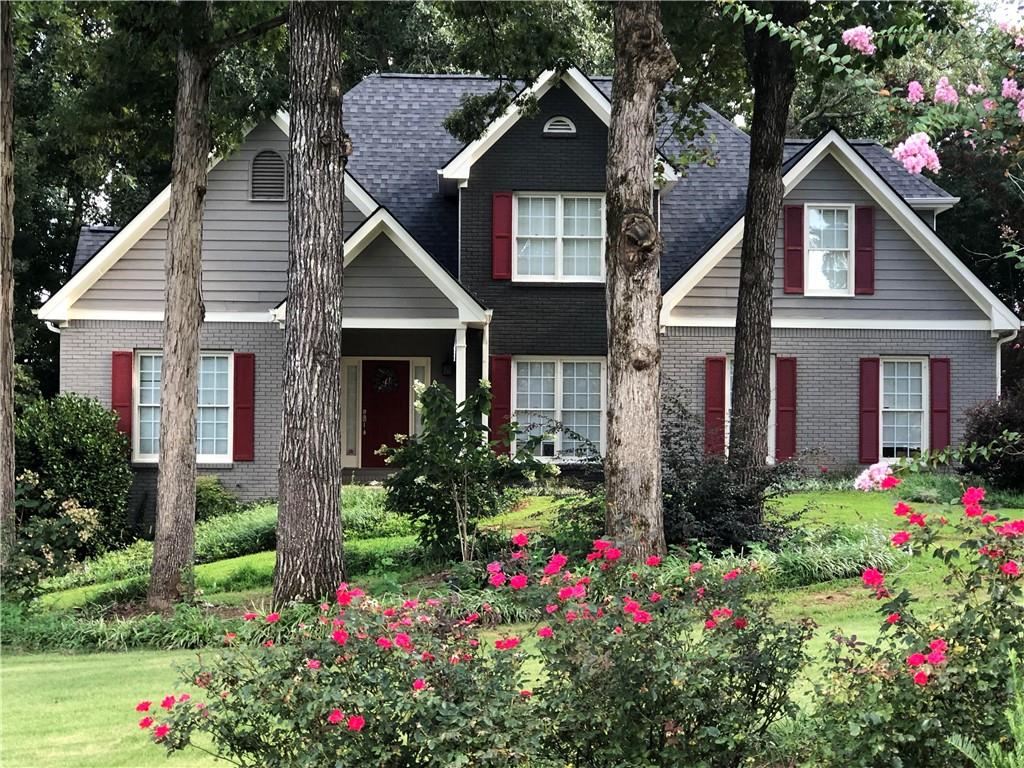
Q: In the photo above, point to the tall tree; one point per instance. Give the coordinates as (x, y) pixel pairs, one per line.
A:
(309, 535)
(174, 540)
(6, 283)
(644, 64)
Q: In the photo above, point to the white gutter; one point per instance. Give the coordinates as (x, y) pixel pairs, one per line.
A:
(999, 360)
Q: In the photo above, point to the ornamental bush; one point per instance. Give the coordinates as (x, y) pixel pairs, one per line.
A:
(627, 666)
(72, 444)
(987, 423)
(897, 701)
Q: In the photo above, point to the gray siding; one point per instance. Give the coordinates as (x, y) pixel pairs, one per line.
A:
(382, 282)
(908, 283)
(828, 376)
(245, 244)
(85, 360)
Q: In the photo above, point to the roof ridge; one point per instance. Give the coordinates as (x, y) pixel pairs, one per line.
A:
(432, 75)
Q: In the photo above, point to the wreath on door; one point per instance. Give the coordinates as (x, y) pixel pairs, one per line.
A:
(385, 379)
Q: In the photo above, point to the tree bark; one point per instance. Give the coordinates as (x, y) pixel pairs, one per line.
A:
(772, 72)
(6, 283)
(643, 65)
(309, 535)
(174, 543)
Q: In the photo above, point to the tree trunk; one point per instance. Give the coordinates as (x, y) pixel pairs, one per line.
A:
(174, 544)
(309, 536)
(773, 74)
(643, 65)
(6, 282)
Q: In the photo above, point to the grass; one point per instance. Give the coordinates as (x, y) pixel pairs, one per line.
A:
(58, 711)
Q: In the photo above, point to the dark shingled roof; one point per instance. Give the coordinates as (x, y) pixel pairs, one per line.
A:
(396, 124)
(90, 240)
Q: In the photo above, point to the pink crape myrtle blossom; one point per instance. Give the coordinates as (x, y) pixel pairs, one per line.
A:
(859, 39)
(871, 478)
(916, 154)
(1011, 89)
(973, 89)
(945, 93)
(989, 104)
(915, 92)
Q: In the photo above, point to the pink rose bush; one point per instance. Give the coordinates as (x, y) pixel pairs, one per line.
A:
(929, 675)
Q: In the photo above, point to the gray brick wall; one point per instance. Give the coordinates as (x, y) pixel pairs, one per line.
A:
(828, 375)
(85, 358)
(536, 318)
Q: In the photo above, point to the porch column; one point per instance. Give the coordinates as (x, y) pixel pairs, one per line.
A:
(460, 363)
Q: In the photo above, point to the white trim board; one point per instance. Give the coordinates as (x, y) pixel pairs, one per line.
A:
(901, 324)
(58, 307)
(457, 169)
(383, 222)
(834, 145)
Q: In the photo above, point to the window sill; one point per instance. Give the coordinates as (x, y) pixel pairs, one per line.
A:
(558, 283)
(204, 463)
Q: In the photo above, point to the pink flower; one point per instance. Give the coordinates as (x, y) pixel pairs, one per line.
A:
(859, 39)
(617, 630)
(145, 722)
(936, 657)
(740, 623)
(494, 567)
(973, 496)
(654, 597)
(160, 731)
(710, 624)
(550, 607)
(402, 640)
(973, 510)
(268, 644)
(938, 644)
(507, 644)
(555, 564)
(892, 618)
(183, 698)
(565, 593)
(384, 642)
(872, 578)
(518, 581)
(641, 617)
(356, 723)
(989, 104)
(921, 678)
(612, 554)
(653, 561)
(731, 575)
(946, 93)
(916, 154)
(419, 684)
(249, 616)
(497, 579)
(1010, 568)
(335, 717)
(916, 660)
(544, 632)
(973, 89)
(600, 545)
(1011, 90)
(520, 539)
(143, 706)
(916, 519)
(899, 538)
(901, 509)
(915, 92)
(988, 519)
(890, 482)
(340, 636)
(272, 618)
(312, 664)
(229, 637)
(168, 703)
(694, 567)
(518, 554)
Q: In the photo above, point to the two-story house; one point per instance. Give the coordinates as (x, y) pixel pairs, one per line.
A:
(487, 260)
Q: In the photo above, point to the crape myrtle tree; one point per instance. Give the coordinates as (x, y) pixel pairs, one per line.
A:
(309, 536)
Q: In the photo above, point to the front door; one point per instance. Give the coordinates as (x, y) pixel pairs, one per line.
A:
(386, 393)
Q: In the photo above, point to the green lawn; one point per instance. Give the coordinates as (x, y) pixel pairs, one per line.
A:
(79, 711)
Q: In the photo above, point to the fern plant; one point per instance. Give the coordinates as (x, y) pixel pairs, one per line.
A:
(995, 756)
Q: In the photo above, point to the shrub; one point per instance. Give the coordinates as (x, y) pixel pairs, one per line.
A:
(897, 700)
(449, 476)
(696, 674)
(72, 444)
(213, 499)
(987, 423)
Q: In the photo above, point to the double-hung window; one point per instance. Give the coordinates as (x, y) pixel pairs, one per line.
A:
(904, 405)
(829, 250)
(559, 237)
(213, 413)
(562, 401)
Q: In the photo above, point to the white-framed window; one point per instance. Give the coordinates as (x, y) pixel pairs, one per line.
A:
(213, 412)
(547, 391)
(771, 412)
(559, 237)
(828, 250)
(904, 419)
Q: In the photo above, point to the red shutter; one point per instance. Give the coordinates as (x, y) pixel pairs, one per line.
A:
(501, 399)
(714, 405)
(501, 236)
(785, 408)
(939, 436)
(121, 389)
(245, 406)
(864, 250)
(793, 249)
(868, 452)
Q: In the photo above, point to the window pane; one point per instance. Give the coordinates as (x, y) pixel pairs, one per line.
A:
(581, 408)
(535, 402)
(902, 407)
(581, 217)
(828, 249)
(581, 257)
(212, 414)
(536, 217)
(535, 256)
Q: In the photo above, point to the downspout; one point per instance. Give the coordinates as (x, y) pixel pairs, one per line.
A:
(51, 327)
(999, 360)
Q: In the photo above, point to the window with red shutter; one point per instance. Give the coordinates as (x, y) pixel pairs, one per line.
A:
(501, 399)
(244, 427)
(121, 367)
(869, 404)
(939, 401)
(714, 405)
(501, 236)
(793, 249)
(785, 408)
(864, 250)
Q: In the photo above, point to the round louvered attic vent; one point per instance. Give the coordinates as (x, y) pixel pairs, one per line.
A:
(560, 126)
(268, 176)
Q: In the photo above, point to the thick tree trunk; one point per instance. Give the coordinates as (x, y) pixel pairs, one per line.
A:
(309, 536)
(6, 282)
(174, 544)
(773, 75)
(643, 65)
